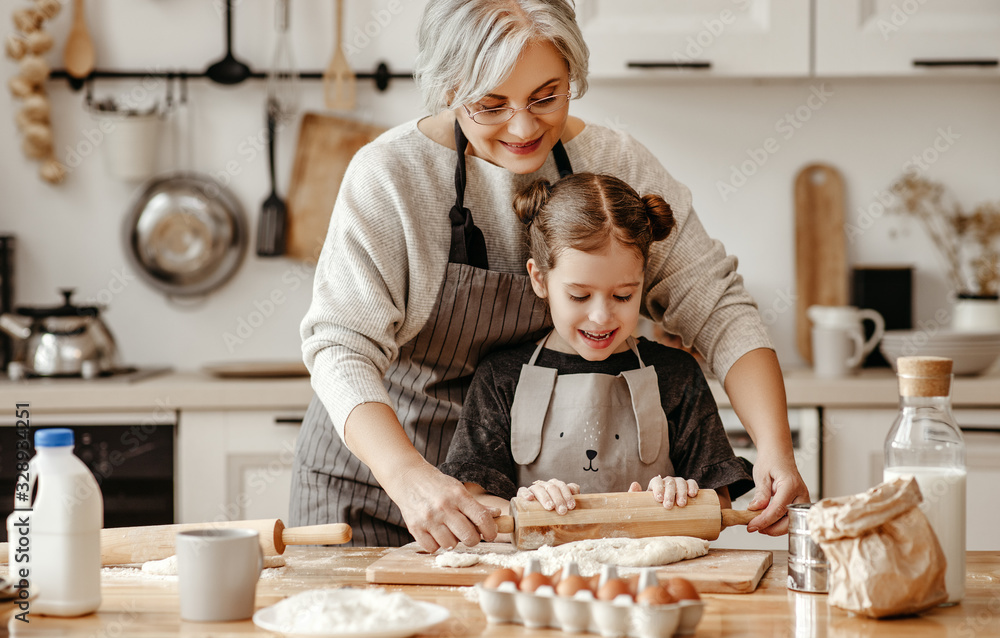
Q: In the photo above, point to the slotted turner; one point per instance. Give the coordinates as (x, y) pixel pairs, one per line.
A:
(274, 212)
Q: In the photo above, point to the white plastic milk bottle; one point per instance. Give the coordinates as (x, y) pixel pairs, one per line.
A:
(62, 537)
(926, 443)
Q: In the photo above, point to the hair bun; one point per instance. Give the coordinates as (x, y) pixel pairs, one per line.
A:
(661, 216)
(531, 200)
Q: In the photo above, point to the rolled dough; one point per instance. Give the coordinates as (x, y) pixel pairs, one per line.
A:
(591, 555)
(634, 552)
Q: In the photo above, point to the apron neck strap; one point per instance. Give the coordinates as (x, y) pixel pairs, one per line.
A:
(562, 159)
(468, 245)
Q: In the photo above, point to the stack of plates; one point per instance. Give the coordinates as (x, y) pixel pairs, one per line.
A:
(972, 352)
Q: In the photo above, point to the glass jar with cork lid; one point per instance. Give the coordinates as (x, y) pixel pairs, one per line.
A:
(926, 443)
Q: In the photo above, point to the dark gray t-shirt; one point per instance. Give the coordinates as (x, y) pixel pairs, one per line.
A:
(480, 450)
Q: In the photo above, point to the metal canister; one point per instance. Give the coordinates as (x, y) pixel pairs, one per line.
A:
(807, 565)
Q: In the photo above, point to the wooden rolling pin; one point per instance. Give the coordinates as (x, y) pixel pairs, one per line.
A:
(127, 545)
(618, 515)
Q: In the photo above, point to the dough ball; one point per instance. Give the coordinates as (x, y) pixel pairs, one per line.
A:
(456, 559)
(39, 42)
(52, 171)
(34, 69)
(16, 47)
(28, 19)
(19, 87)
(48, 8)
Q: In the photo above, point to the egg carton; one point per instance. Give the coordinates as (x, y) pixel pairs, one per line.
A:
(582, 613)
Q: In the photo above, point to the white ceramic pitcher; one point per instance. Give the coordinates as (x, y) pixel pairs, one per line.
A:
(838, 338)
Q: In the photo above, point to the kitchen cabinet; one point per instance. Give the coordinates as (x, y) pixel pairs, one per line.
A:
(852, 461)
(911, 38)
(710, 38)
(235, 464)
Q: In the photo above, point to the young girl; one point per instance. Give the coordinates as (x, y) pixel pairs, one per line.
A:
(587, 407)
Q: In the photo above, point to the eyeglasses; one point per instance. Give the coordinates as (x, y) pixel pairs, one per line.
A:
(492, 117)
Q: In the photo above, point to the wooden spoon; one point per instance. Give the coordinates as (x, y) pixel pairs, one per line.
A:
(338, 79)
(78, 56)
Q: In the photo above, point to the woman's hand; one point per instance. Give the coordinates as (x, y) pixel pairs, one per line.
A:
(439, 511)
(552, 494)
(669, 490)
(778, 485)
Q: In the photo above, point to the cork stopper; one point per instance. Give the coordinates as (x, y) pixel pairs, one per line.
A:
(924, 376)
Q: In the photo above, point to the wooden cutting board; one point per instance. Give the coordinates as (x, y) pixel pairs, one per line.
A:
(326, 145)
(721, 571)
(257, 369)
(820, 247)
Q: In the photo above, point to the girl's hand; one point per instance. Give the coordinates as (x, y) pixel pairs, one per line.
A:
(552, 494)
(669, 490)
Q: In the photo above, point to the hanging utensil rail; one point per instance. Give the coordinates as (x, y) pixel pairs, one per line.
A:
(382, 75)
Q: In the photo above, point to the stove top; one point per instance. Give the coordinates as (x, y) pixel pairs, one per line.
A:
(127, 374)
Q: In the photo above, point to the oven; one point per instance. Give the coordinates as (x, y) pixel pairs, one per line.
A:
(132, 456)
(807, 443)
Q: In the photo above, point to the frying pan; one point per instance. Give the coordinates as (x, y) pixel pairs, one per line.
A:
(185, 234)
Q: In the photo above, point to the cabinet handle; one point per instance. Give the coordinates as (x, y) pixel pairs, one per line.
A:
(970, 62)
(288, 420)
(669, 65)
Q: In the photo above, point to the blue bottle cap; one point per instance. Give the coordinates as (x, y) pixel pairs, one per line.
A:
(54, 437)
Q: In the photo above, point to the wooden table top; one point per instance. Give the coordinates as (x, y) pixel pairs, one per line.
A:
(147, 606)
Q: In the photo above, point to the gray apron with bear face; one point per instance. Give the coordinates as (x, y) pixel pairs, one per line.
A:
(597, 430)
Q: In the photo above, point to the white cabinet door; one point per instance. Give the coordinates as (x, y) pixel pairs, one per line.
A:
(235, 465)
(907, 37)
(853, 458)
(652, 38)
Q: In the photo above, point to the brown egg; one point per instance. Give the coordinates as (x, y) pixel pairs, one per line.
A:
(612, 588)
(534, 580)
(655, 595)
(682, 589)
(571, 584)
(555, 578)
(633, 584)
(594, 582)
(500, 576)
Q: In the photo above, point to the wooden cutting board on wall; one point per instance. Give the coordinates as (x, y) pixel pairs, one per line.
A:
(326, 145)
(721, 571)
(820, 247)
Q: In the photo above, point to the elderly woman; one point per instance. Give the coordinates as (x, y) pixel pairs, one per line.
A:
(423, 273)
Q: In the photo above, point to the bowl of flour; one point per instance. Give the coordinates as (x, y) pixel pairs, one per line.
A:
(350, 613)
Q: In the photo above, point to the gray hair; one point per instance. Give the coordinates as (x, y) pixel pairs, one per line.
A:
(467, 48)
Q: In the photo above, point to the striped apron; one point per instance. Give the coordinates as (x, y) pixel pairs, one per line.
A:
(477, 311)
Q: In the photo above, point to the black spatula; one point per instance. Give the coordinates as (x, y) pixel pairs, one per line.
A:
(273, 213)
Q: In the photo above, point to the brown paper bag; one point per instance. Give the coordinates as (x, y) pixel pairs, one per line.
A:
(885, 559)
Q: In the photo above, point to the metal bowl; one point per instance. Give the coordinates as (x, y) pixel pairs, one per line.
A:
(185, 234)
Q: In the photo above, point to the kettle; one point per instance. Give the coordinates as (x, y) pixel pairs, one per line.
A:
(66, 340)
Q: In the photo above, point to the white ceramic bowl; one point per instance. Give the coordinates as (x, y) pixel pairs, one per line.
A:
(967, 360)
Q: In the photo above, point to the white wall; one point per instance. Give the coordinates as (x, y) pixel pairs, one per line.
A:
(70, 235)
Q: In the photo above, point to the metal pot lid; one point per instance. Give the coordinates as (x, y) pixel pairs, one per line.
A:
(65, 310)
(186, 234)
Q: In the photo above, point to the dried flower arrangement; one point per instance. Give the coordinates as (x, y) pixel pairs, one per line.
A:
(967, 241)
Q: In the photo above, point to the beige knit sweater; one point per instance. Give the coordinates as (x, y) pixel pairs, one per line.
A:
(384, 258)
